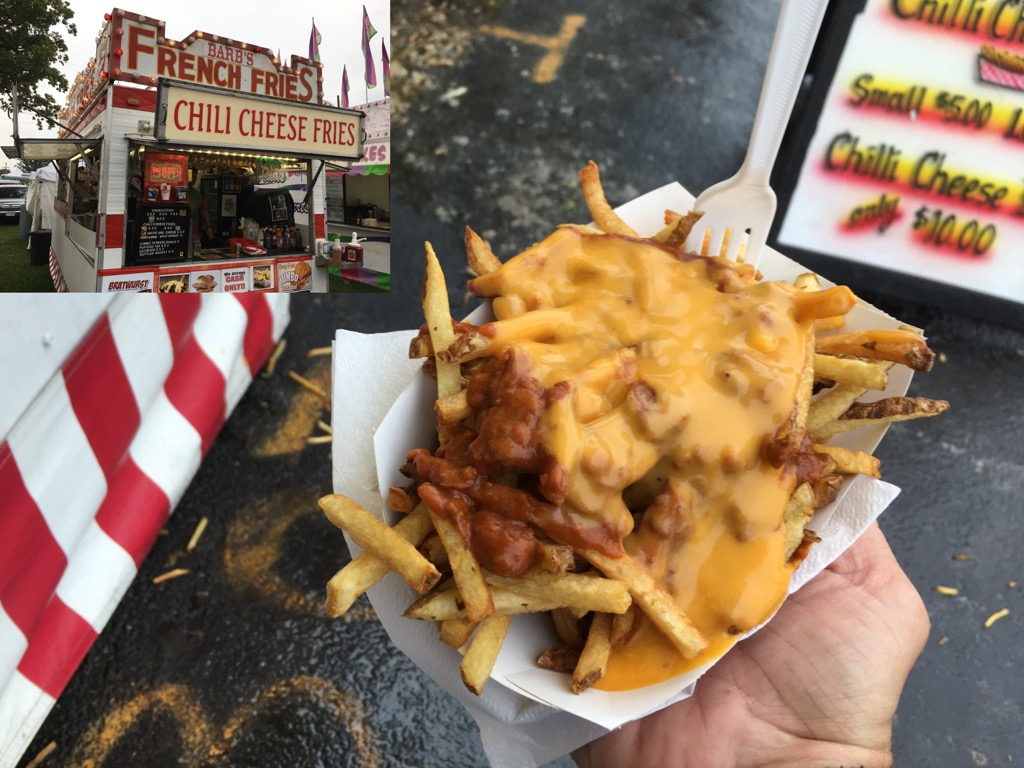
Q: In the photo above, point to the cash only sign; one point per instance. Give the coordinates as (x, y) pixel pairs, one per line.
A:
(221, 92)
(916, 163)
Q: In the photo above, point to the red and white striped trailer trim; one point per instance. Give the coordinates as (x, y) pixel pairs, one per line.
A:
(92, 470)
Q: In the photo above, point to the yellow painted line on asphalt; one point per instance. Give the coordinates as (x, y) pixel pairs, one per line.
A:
(556, 45)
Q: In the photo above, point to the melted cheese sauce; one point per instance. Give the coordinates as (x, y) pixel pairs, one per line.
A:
(679, 373)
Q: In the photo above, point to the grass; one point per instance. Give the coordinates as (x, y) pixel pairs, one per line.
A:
(17, 274)
(339, 284)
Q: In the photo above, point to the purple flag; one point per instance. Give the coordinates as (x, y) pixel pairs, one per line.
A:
(368, 32)
(314, 43)
(387, 70)
(344, 87)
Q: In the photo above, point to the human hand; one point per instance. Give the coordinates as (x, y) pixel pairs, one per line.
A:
(818, 686)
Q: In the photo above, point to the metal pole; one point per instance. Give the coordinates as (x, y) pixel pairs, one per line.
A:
(14, 115)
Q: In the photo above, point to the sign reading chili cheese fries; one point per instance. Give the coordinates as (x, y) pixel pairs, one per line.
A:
(205, 117)
(916, 162)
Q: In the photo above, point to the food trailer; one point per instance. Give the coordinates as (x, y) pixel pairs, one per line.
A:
(175, 158)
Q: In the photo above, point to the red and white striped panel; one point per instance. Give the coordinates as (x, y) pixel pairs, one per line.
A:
(59, 283)
(91, 471)
(996, 75)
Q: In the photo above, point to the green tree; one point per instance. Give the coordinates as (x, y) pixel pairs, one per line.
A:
(27, 166)
(32, 50)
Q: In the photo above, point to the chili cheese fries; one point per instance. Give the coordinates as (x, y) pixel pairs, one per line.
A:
(634, 445)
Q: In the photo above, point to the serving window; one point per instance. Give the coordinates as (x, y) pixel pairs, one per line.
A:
(83, 179)
(222, 197)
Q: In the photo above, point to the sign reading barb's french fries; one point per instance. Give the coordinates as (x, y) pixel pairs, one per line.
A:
(605, 448)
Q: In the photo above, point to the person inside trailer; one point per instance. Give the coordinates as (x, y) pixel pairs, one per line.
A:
(197, 209)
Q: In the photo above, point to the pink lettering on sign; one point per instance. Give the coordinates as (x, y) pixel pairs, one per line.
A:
(234, 282)
(378, 153)
(227, 53)
(128, 285)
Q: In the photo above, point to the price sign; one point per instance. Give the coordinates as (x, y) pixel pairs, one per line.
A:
(161, 233)
(909, 150)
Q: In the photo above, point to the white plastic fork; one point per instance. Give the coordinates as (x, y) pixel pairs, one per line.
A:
(746, 203)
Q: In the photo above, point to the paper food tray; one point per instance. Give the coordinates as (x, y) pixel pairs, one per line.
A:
(394, 401)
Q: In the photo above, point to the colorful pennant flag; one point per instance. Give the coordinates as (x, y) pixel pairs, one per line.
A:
(368, 32)
(387, 70)
(314, 43)
(344, 87)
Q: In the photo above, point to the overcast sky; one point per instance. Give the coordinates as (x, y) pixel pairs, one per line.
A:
(283, 26)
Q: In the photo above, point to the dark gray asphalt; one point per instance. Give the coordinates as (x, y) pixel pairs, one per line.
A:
(654, 92)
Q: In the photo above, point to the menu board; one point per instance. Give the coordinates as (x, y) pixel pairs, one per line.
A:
(161, 233)
(915, 159)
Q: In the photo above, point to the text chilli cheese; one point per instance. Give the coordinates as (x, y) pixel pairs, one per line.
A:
(679, 375)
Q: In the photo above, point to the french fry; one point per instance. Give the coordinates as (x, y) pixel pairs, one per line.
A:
(420, 346)
(478, 254)
(865, 374)
(834, 403)
(594, 658)
(473, 590)
(792, 432)
(448, 604)
(850, 462)
(656, 604)
(466, 347)
(817, 305)
(483, 652)
(455, 633)
(603, 214)
(386, 549)
(402, 500)
(882, 412)
(623, 625)
(826, 489)
(898, 346)
(808, 281)
(675, 232)
(798, 513)
(434, 550)
(365, 570)
(561, 658)
(556, 558)
(571, 590)
(567, 625)
(439, 324)
(453, 408)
